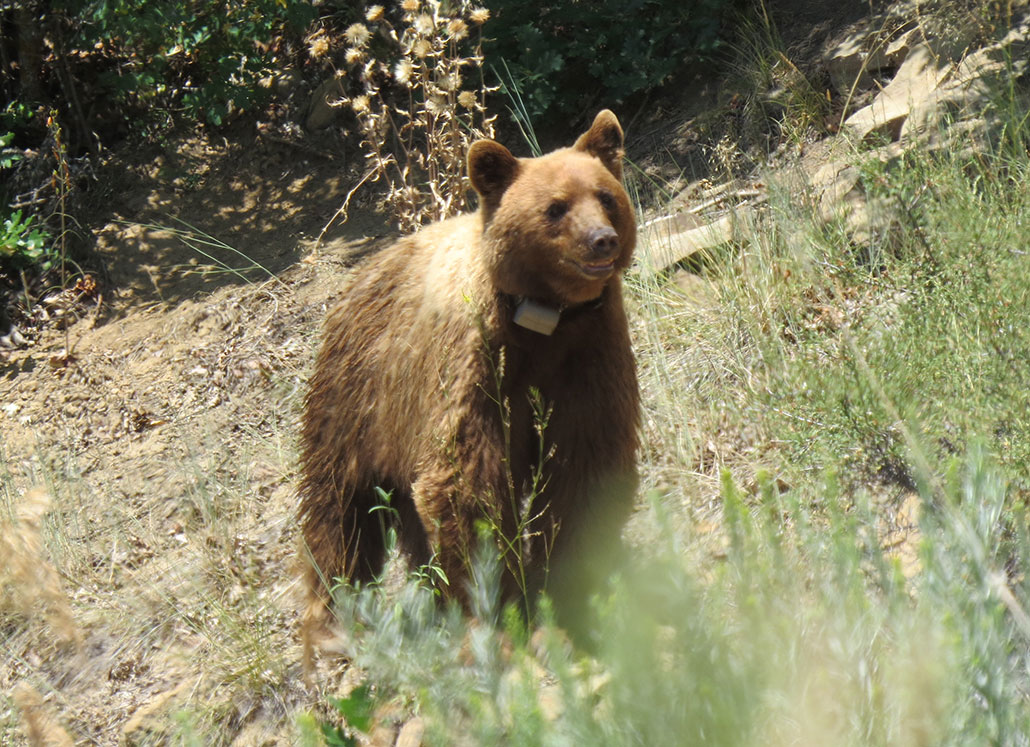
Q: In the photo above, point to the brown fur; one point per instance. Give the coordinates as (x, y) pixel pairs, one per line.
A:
(422, 386)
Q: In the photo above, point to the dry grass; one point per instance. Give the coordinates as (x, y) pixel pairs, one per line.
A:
(168, 453)
(28, 577)
(41, 727)
(164, 541)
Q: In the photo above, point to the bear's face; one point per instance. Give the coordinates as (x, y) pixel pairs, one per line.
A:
(558, 227)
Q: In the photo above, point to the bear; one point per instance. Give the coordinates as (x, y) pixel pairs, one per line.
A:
(479, 372)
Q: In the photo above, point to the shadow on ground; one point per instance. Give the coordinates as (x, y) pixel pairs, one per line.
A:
(191, 217)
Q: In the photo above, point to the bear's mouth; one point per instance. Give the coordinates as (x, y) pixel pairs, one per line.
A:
(596, 269)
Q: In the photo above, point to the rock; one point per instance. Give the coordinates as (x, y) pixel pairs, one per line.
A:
(672, 243)
(324, 106)
(873, 223)
(898, 49)
(853, 64)
(696, 290)
(13, 339)
(968, 94)
(839, 196)
(832, 186)
(913, 86)
(850, 65)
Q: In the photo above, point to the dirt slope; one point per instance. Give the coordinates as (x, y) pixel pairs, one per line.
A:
(165, 439)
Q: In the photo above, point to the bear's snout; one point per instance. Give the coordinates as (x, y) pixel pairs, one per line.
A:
(603, 243)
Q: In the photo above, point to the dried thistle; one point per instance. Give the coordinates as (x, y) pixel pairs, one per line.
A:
(449, 81)
(318, 46)
(421, 49)
(403, 70)
(424, 24)
(360, 104)
(457, 29)
(357, 35)
(417, 112)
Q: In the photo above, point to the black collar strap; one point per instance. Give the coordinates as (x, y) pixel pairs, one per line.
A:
(543, 318)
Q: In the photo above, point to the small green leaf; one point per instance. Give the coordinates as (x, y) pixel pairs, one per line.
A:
(356, 708)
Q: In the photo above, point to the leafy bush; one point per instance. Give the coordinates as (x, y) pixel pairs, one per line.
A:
(8, 156)
(569, 56)
(22, 243)
(203, 57)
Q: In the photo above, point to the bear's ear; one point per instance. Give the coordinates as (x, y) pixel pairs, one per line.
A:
(604, 141)
(492, 169)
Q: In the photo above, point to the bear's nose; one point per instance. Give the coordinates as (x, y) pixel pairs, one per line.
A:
(603, 242)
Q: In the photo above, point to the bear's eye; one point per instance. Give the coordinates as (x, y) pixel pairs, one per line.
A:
(556, 210)
(607, 200)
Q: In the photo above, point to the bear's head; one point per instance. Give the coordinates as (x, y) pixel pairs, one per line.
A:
(559, 227)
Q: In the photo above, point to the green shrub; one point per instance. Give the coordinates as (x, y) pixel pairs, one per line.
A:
(22, 244)
(569, 56)
(202, 58)
(807, 632)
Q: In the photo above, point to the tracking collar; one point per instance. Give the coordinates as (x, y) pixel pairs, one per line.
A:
(543, 318)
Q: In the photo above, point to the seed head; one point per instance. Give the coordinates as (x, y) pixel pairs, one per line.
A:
(479, 16)
(353, 56)
(374, 13)
(424, 24)
(421, 48)
(402, 72)
(318, 47)
(360, 104)
(449, 82)
(357, 34)
(458, 29)
(409, 6)
(467, 99)
(436, 104)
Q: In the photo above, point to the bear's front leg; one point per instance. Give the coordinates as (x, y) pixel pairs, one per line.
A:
(453, 506)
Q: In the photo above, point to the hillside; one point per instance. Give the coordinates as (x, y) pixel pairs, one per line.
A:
(829, 312)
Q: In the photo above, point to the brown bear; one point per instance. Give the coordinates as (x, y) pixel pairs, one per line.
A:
(480, 373)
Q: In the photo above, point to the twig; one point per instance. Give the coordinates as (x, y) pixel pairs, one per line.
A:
(346, 203)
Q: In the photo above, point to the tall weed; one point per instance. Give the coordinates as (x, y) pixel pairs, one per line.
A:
(422, 104)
